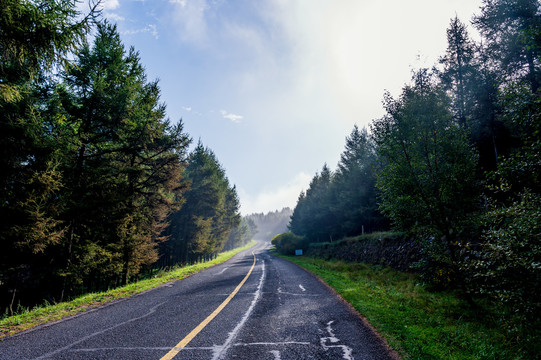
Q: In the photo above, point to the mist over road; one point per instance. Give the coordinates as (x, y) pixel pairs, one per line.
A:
(254, 306)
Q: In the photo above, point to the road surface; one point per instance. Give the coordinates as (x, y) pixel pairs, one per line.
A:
(254, 306)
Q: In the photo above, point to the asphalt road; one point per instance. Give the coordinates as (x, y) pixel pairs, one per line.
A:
(254, 306)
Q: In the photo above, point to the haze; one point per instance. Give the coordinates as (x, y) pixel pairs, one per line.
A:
(275, 86)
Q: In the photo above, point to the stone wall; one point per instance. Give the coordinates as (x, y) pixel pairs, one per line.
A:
(392, 250)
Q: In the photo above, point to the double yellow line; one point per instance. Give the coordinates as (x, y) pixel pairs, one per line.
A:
(178, 347)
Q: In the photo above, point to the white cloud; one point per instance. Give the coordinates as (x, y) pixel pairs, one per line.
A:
(189, 18)
(151, 29)
(342, 55)
(114, 17)
(181, 2)
(107, 6)
(187, 108)
(110, 4)
(275, 199)
(234, 118)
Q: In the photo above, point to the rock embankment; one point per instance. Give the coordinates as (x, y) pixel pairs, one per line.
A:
(390, 250)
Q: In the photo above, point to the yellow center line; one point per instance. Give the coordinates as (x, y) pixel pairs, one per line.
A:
(174, 351)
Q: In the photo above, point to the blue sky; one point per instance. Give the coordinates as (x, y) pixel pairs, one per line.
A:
(273, 87)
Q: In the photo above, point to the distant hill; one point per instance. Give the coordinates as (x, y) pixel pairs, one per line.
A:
(271, 224)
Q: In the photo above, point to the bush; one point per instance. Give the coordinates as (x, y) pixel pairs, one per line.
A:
(509, 268)
(287, 243)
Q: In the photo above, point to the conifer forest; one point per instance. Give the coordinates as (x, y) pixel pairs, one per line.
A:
(97, 185)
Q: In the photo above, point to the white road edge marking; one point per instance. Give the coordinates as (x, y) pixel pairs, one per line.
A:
(333, 339)
(220, 351)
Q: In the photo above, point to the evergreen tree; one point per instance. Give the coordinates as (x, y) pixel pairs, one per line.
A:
(343, 203)
(202, 226)
(459, 70)
(354, 187)
(505, 268)
(313, 216)
(472, 84)
(427, 183)
(510, 55)
(122, 161)
(34, 38)
(298, 221)
(512, 31)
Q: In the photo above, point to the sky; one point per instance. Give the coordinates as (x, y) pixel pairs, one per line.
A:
(273, 87)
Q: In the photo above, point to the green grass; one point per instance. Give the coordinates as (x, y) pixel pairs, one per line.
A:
(417, 323)
(48, 313)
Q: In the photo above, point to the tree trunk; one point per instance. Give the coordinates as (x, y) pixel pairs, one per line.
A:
(532, 75)
(12, 302)
(126, 267)
(68, 260)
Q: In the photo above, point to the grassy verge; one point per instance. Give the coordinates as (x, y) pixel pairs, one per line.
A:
(419, 324)
(44, 314)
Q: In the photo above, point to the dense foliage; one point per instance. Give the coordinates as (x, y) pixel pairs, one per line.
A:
(456, 164)
(203, 224)
(427, 183)
(342, 203)
(95, 181)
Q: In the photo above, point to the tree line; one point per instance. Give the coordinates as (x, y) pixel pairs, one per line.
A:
(344, 202)
(270, 224)
(97, 185)
(455, 163)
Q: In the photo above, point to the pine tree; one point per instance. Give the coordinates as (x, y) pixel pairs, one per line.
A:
(202, 226)
(354, 186)
(122, 161)
(459, 70)
(512, 31)
(313, 216)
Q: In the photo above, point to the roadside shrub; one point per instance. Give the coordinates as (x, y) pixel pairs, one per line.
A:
(509, 266)
(287, 243)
